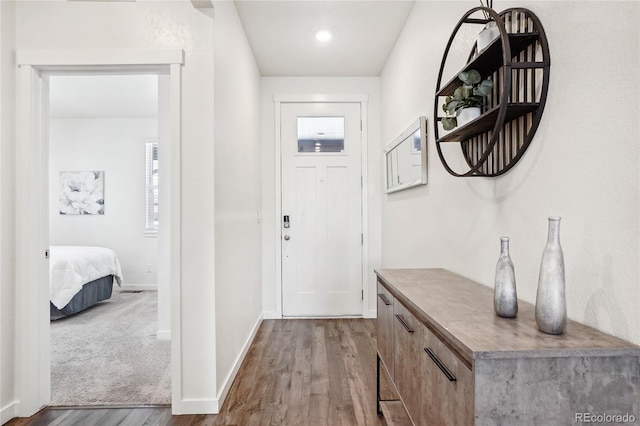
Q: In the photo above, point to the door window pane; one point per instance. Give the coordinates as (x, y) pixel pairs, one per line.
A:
(320, 134)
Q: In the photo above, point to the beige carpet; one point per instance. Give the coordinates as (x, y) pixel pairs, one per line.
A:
(109, 354)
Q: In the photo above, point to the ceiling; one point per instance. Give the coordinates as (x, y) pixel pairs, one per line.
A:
(282, 35)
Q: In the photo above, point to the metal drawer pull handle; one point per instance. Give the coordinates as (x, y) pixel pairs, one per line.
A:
(384, 299)
(404, 324)
(440, 365)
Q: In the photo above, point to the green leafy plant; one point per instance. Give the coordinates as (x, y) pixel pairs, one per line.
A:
(472, 93)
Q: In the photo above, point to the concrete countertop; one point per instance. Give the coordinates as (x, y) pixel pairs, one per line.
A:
(460, 312)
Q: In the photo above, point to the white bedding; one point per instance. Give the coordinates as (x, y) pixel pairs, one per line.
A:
(71, 267)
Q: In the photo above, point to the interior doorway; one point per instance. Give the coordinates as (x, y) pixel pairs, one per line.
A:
(32, 268)
(106, 353)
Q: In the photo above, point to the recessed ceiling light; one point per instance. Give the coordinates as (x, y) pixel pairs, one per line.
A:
(323, 35)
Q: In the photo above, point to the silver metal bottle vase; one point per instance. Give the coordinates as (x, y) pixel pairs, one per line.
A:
(551, 305)
(505, 298)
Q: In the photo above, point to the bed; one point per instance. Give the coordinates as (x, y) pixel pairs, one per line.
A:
(80, 277)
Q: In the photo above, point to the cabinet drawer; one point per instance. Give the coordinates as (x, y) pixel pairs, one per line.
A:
(408, 347)
(447, 384)
(385, 327)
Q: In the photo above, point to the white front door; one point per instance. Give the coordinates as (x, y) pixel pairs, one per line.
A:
(321, 219)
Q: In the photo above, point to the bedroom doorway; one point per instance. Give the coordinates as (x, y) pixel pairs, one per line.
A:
(111, 347)
(33, 373)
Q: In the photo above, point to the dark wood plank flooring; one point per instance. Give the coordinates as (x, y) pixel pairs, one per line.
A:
(297, 372)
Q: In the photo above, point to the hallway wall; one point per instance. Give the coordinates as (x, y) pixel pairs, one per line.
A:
(238, 285)
(7, 213)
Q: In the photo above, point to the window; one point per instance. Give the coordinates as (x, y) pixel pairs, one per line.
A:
(151, 188)
(320, 134)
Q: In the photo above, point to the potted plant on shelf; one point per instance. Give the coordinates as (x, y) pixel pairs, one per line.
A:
(467, 100)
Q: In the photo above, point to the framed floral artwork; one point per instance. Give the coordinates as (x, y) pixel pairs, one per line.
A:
(81, 193)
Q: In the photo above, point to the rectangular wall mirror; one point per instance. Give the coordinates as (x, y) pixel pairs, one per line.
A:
(406, 158)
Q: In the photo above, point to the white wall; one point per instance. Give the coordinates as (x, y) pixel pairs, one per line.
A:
(160, 25)
(271, 86)
(7, 216)
(238, 285)
(117, 147)
(582, 165)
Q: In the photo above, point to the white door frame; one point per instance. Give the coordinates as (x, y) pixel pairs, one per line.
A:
(33, 369)
(321, 98)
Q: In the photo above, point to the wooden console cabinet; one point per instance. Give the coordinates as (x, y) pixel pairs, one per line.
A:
(453, 361)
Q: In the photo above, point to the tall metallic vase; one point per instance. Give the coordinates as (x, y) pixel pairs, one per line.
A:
(551, 305)
(505, 298)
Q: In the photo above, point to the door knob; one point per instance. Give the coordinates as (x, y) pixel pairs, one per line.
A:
(286, 238)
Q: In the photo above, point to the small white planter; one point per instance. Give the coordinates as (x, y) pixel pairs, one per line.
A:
(487, 35)
(467, 114)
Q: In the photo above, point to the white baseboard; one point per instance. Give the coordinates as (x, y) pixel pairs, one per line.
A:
(373, 313)
(222, 395)
(8, 412)
(139, 287)
(212, 406)
(195, 406)
(163, 335)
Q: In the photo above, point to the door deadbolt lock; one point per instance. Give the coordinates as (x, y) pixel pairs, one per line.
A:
(285, 221)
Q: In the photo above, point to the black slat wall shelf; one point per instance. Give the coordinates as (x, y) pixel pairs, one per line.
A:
(518, 63)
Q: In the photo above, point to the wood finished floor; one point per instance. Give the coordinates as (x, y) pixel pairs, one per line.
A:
(296, 372)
